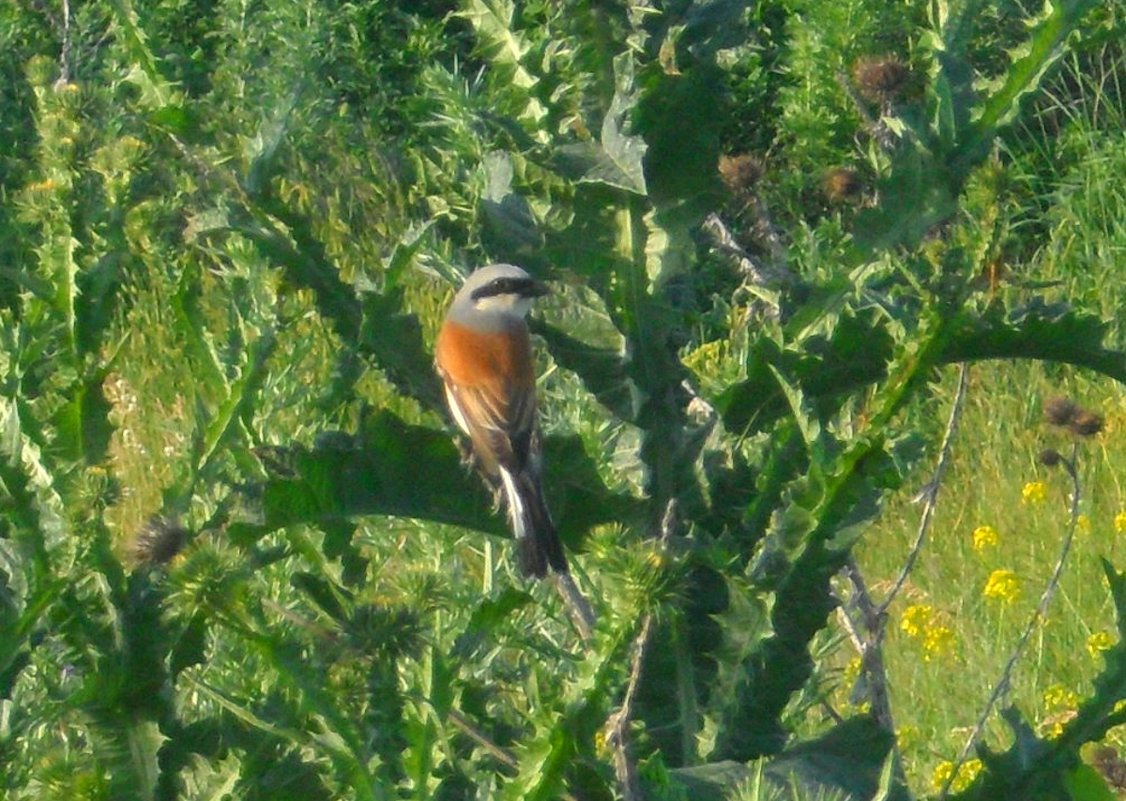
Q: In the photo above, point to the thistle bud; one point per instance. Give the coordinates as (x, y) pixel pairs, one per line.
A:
(1049, 457)
(880, 80)
(1086, 423)
(158, 541)
(842, 185)
(740, 173)
(1061, 410)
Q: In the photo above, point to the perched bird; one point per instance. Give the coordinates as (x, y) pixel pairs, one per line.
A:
(484, 358)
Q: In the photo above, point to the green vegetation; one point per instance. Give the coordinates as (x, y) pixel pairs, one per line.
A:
(239, 556)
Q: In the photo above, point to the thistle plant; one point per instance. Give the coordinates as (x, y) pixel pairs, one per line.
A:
(241, 556)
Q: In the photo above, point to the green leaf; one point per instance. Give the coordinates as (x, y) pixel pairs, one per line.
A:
(259, 151)
(488, 615)
(849, 759)
(951, 90)
(33, 503)
(849, 762)
(97, 288)
(379, 473)
(227, 423)
(618, 158)
(1059, 20)
(513, 231)
(328, 597)
(190, 647)
(859, 356)
(156, 92)
(506, 50)
(393, 338)
(82, 425)
(855, 353)
(1087, 784)
(403, 254)
(677, 116)
(809, 427)
(1053, 333)
(919, 192)
(193, 328)
(713, 781)
(601, 369)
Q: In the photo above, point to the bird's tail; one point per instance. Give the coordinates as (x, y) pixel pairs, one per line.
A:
(537, 543)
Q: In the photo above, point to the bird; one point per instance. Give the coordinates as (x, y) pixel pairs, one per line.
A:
(483, 355)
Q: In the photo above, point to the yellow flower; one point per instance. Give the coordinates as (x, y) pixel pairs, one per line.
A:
(1002, 585)
(916, 619)
(1083, 524)
(706, 358)
(1098, 642)
(1059, 697)
(852, 670)
(966, 775)
(985, 537)
(1120, 522)
(1052, 728)
(1034, 492)
(938, 641)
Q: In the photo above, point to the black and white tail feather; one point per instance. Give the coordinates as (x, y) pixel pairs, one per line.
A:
(537, 542)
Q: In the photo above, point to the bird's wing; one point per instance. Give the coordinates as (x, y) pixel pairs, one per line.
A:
(500, 420)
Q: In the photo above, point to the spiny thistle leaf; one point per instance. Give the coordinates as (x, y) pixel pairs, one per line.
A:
(617, 160)
(82, 426)
(857, 356)
(514, 233)
(848, 759)
(1037, 330)
(1058, 21)
(506, 48)
(378, 474)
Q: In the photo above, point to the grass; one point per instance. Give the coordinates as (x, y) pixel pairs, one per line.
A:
(938, 695)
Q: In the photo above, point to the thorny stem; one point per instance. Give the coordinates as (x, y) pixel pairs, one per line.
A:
(500, 753)
(64, 54)
(871, 656)
(870, 646)
(867, 634)
(757, 273)
(617, 726)
(577, 605)
(931, 491)
(1002, 685)
(466, 727)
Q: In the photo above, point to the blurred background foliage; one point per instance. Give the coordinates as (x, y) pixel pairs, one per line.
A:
(239, 557)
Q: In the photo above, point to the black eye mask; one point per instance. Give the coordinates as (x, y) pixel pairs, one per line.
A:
(524, 287)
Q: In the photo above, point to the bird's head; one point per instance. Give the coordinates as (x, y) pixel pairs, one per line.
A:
(499, 289)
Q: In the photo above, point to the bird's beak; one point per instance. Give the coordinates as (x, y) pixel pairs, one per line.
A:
(536, 289)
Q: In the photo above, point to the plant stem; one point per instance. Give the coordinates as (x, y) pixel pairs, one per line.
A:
(1002, 685)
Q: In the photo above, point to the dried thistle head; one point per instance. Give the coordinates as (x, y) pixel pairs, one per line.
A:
(842, 185)
(158, 541)
(880, 79)
(1061, 410)
(740, 173)
(1086, 423)
(1107, 761)
(1049, 457)
(1064, 412)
